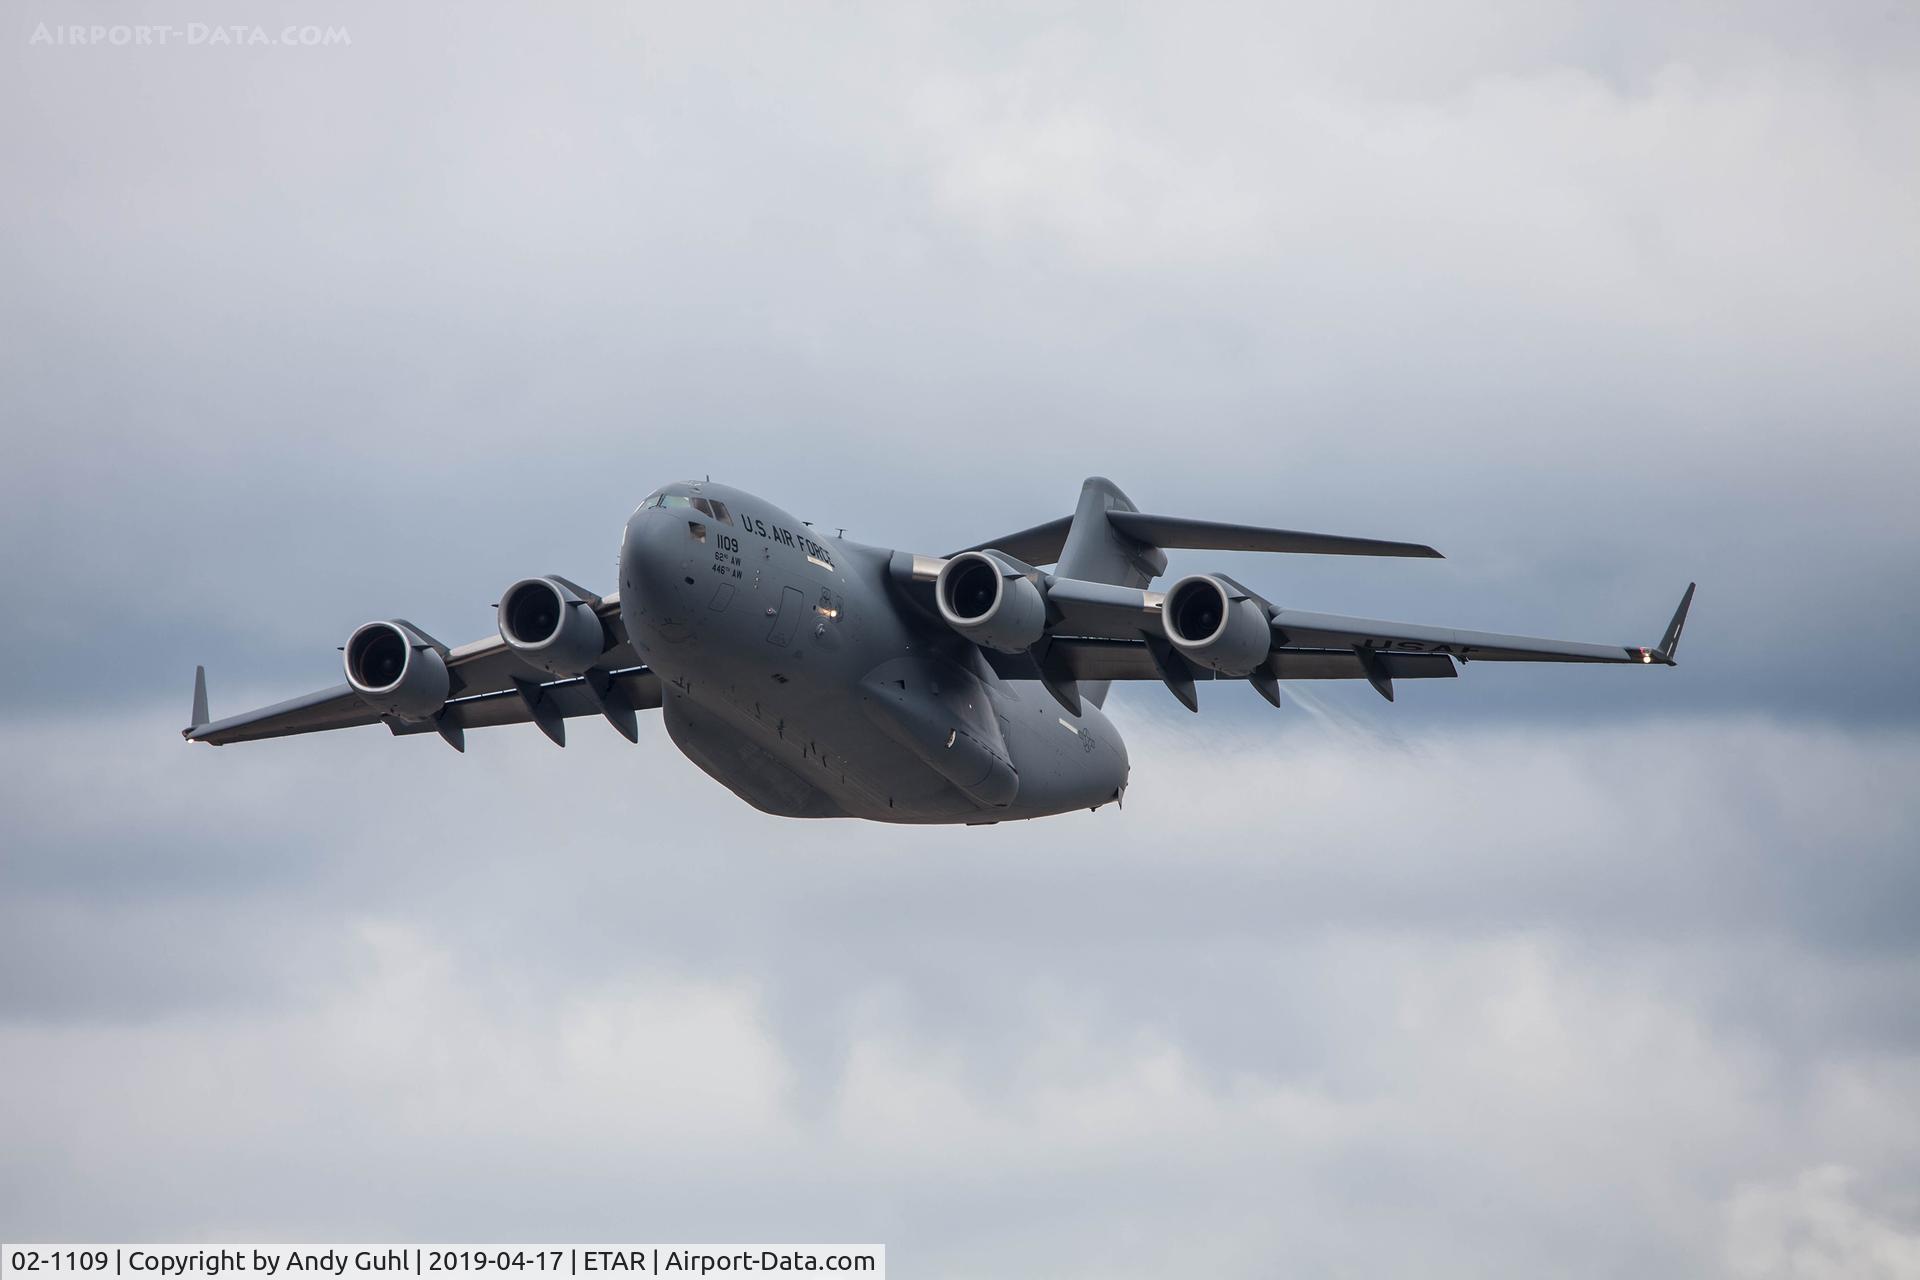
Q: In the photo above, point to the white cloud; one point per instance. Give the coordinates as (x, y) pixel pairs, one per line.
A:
(1492, 999)
(1813, 1226)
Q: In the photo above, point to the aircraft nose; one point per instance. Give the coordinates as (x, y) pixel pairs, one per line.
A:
(639, 554)
(630, 549)
(658, 557)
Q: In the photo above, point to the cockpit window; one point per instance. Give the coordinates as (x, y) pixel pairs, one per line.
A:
(705, 506)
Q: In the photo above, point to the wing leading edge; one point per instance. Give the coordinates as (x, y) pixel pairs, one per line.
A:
(490, 685)
(1124, 613)
(1107, 632)
(530, 702)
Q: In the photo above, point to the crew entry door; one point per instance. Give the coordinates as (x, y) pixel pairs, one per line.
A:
(787, 619)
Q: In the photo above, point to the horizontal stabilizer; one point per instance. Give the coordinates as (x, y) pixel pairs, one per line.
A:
(1041, 544)
(1216, 535)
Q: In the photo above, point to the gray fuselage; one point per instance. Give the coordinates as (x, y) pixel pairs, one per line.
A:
(795, 673)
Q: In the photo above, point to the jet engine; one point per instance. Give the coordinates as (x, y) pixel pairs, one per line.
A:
(397, 670)
(551, 626)
(1216, 625)
(990, 602)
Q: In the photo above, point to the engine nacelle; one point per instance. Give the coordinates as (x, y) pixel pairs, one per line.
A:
(990, 602)
(551, 626)
(1215, 625)
(397, 671)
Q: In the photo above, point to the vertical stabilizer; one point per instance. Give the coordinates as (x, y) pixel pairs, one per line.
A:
(1097, 552)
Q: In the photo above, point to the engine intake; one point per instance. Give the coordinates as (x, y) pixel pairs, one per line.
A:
(1215, 625)
(551, 626)
(990, 602)
(397, 670)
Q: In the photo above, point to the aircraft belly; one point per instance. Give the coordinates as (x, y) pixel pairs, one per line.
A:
(915, 740)
(742, 765)
(941, 713)
(795, 711)
(827, 763)
(1066, 762)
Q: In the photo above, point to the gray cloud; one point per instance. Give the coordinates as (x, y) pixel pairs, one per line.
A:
(1572, 971)
(1614, 1016)
(1598, 303)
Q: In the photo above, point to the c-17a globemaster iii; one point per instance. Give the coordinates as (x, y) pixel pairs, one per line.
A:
(821, 678)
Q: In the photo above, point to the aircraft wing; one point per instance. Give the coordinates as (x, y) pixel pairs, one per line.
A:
(1295, 627)
(1087, 658)
(336, 708)
(1105, 632)
(489, 685)
(1126, 613)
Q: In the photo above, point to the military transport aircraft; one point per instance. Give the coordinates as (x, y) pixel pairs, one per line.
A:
(819, 678)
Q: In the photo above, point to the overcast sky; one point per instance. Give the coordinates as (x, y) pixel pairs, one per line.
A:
(1583, 972)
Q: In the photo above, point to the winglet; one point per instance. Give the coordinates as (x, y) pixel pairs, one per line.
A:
(1671, 641)
(200, 716)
